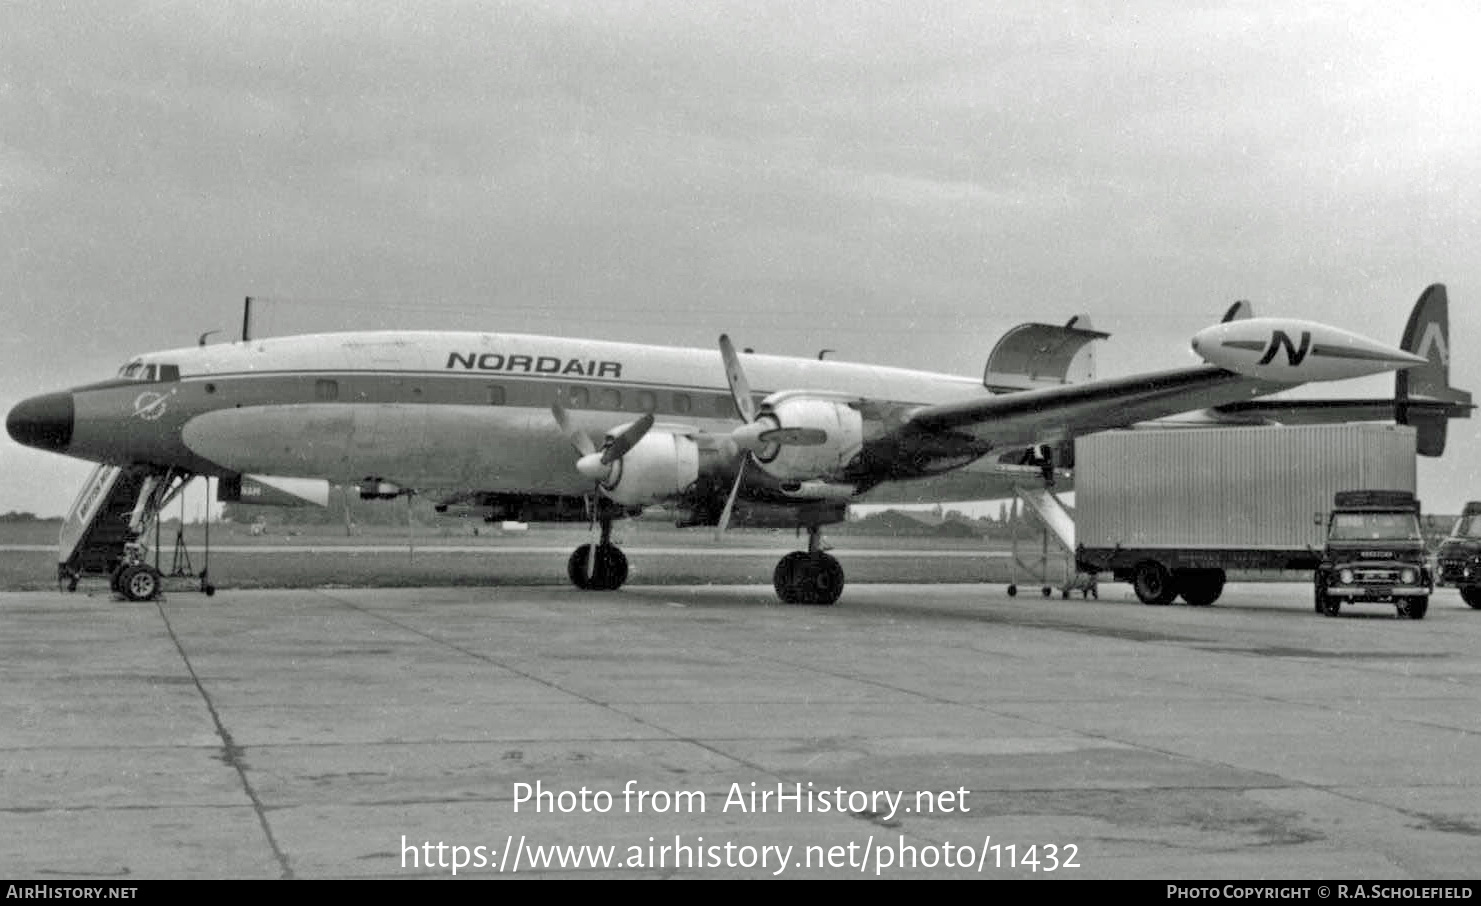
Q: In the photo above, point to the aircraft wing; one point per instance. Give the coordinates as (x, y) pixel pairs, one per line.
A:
(1055, 414)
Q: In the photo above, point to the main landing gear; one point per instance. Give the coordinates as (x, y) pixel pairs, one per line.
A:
(810, 576)
(599, 567)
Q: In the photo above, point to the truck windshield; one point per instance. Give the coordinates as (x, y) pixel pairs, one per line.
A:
(1374, 527)
(1467, 527)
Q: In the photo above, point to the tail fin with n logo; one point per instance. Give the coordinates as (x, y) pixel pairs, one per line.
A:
(1418, 389)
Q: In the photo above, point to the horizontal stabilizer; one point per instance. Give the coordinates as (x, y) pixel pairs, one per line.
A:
(1040, 355)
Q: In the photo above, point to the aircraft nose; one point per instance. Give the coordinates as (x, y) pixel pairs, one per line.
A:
(42, 421)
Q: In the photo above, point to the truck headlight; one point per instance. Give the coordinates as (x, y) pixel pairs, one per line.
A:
(1344, 576)
(1409, 576)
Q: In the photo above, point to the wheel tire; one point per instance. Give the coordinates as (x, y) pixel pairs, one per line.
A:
(611, 567)
(1320, 599)
(1012, 591)
(1046, 591)
(1471, 594)
(139, 583)
(803, 578)
(786, 578)
(576, 568)
(1153, 583)
(1332, 606)
(608, 568)
(1201, 587)
(827, 580)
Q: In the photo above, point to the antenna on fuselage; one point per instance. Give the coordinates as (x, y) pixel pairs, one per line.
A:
(202, 340)
(247, 320)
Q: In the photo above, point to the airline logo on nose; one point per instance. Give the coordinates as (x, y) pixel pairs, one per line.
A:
(150, 405)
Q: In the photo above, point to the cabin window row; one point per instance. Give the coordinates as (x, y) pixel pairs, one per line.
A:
(579, 397)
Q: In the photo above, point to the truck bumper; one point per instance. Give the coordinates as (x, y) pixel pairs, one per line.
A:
(1386, 593)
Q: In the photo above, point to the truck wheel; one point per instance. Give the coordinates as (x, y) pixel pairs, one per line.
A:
(1321, 600)
(1200, 587)
(1153, 583)
(1332, 606)
(1471, 594)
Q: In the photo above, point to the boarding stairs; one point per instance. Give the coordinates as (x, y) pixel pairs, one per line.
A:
(104, 528)
(1056, 525)
(97, 527)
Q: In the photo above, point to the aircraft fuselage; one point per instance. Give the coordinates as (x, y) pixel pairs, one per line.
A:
(427, 409)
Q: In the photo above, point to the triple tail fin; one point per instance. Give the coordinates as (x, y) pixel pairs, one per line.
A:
(1428, 335)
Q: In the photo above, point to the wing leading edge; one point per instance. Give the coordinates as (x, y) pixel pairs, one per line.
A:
(1058, 413)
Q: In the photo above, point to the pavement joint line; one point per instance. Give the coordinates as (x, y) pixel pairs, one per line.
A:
(231, 752)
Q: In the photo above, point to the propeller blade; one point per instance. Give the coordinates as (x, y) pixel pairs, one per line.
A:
(596, 538)
(578, 439)
(617, 447)
(740, 475)
(796, 437)
(740, 388)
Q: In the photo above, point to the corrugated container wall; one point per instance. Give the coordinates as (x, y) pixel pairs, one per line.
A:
(1246, 487)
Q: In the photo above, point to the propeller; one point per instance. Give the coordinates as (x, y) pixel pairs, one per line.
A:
(760, 431)
(596, 464)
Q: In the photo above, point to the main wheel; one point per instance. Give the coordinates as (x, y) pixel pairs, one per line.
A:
(139, 583)
(605, 571)
(1153, 583)
(803, 578)
(1471, 594)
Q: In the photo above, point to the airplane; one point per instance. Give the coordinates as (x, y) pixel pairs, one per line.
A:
(541, 428)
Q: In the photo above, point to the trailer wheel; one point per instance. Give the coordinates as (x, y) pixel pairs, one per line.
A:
(1153, 583)
(1200, 587)
(1471, 594)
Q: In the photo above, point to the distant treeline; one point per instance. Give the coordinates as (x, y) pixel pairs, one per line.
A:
(15, 516)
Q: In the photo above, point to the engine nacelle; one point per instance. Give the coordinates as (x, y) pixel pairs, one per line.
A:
(659, 467)
(841, 422)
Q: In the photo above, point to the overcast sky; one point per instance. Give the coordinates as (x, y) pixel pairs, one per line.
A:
(897, 181)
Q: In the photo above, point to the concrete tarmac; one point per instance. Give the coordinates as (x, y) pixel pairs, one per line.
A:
(909, 731)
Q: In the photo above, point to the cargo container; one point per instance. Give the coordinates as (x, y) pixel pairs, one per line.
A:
(1171, 510)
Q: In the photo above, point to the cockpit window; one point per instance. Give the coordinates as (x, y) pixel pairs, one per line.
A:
(153, 373)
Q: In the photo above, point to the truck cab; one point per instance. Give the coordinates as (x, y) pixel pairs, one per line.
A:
(1374, 553)
(1459, 557)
